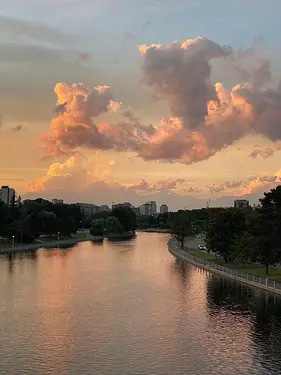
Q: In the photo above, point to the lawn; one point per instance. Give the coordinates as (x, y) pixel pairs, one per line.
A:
(250, 268)
(5, 242)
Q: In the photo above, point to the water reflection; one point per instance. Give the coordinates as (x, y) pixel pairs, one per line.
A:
(259, 312)
(131, 308)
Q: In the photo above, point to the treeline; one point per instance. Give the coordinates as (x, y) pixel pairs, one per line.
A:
(249, 235)
(120, 220)
(28, 220)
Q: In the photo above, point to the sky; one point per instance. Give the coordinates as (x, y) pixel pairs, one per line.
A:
(117, 100)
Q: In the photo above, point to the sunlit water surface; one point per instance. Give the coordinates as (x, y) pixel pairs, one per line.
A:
(131, 308)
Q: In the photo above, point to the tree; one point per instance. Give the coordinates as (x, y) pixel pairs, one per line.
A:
(223, 226)
(113, 225)
(97, 227)
(243, 247)
(97, 215)
(126, 217)
(181, 227)
(267, 228)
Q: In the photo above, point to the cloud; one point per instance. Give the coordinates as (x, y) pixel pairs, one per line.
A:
(206, 117)
(18, 128)
(192, 190)
(79, 179)
(263, 153)
(161, 185)
(33, 54)
(179, 73)
(90, 180)
(33, 30)
(76, 173)
(227, 185)
(263, 183)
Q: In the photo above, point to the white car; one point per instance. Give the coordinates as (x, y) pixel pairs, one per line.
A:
(202, 247)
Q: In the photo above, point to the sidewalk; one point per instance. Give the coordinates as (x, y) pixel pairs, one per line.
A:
(255, 281)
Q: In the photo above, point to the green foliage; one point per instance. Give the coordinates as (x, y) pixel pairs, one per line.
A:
(243, 248)
(113, 225)
(95, 216)
(28, 220)
(126, 217)
(97, 227)
(181, 226)
(223, 226)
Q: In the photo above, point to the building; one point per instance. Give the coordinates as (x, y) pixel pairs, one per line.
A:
(88, 209)
(148, 209)
(57, 201)
(136, 210)
(164, 209)
(103, 208)
(125, 204)
(241, 203)
(7, 195)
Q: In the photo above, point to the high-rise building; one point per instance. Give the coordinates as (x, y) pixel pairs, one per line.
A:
(104, 208)
(7, 195)
(148, 209)
(164, 209)
(87, 208)
(241, 203)
(57, 201)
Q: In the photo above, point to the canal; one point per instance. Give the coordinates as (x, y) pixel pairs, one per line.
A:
(131, 309)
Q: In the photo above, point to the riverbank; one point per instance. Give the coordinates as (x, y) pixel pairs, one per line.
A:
(154, 230)
(121, 237)
(49, 244)
(258, 282)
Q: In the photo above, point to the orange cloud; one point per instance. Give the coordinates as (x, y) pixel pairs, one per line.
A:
(206, 117)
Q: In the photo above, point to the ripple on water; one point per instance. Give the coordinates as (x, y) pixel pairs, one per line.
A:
(131, 309)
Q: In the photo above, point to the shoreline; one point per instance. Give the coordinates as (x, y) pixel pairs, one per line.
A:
(154, 230)
(183, 255)
(48, 245)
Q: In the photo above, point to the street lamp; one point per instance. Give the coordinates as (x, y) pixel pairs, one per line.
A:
(13, 241)
(58, 236)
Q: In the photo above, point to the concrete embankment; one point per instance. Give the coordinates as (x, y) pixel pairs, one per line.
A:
(257, 282)
(51, 244)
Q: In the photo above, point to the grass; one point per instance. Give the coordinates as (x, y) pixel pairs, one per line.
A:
(250, 268)
(78, 235)
(5, 242)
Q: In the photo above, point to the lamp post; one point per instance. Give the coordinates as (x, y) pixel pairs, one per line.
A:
(13, 241)
(58, 236)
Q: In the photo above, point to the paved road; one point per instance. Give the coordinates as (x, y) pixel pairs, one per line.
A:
(194, 242)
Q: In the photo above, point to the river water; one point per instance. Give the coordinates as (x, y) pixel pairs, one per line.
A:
(131, 309)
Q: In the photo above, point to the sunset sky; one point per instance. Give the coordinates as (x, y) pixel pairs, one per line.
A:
(126, 100)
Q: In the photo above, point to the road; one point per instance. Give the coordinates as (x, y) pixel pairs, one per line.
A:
(193, 243)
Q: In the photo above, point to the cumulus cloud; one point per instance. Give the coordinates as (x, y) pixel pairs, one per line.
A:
(179, 73)
(76, 173)
(261, 184)
(206, 117)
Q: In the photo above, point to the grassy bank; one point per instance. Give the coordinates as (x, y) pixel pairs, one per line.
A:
(250, 268)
